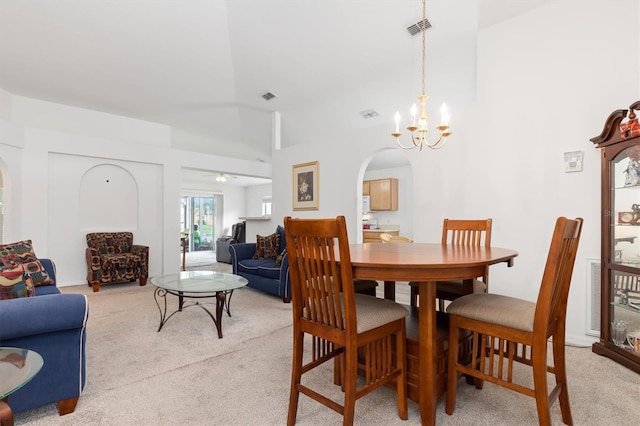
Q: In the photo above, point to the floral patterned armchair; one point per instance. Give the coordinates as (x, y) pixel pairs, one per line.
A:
(112, 257)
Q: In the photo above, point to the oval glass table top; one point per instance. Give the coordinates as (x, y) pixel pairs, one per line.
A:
(199, 281)
(17, 367)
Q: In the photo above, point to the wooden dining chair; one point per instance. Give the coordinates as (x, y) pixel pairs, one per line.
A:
(506, 329)
(339, 321)
(459, 232)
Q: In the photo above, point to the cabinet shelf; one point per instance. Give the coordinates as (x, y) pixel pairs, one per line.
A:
(636, 187)
(627, 307)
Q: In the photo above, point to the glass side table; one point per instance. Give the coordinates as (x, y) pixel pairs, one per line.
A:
(17, 367)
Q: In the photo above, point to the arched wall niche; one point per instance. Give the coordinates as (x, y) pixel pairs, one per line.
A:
(108, 199)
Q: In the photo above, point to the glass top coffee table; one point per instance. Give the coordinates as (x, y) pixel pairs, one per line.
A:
(17, 367)
(191, 286)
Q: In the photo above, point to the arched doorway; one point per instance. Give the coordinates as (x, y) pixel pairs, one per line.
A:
(390, 164)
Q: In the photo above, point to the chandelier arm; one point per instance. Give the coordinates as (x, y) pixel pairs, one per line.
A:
(442, 140)
(413, 145)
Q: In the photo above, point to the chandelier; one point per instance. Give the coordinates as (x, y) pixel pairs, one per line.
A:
(419, 130)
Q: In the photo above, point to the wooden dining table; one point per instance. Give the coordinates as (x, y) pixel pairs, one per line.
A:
(424, 263)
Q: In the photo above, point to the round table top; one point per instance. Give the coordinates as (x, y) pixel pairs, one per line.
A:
(199, 281)
(426, 255)
(17, 367)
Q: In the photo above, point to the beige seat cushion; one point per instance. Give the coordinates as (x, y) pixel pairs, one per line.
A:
(373, 312)
(117, 261)
(495, 309)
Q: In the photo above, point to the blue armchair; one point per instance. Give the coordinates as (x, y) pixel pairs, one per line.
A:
(263, 274)
(54, 325)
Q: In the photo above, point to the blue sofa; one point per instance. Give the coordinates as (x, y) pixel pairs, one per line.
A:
(54, 325)
(263, 274)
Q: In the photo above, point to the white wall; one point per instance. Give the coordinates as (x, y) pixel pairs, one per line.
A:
(253, 198)
(234, 206)
(546, 82)
(46, 149)
(253, 207)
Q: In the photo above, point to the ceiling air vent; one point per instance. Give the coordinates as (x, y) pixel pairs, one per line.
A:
(369, 113)
(267, 96)
(417, 27)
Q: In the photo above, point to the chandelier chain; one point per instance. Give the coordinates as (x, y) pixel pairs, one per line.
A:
(424, 52)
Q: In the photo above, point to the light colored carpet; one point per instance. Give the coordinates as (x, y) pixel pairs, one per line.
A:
(185, 375)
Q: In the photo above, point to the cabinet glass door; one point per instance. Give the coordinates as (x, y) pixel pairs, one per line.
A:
(624, 280)
(625, 200)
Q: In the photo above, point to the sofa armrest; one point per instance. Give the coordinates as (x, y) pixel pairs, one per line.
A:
(142, 251)
(138, 249)
(28, 316)
(240, 252)
(284, 268)
(93, 258)
(244, 250)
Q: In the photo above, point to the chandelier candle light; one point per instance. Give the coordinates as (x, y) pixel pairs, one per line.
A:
(419, 130)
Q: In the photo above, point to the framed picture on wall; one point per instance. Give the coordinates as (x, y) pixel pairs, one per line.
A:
(305, 186)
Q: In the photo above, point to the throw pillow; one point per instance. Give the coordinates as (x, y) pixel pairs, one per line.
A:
(36, 272)
(267, 247)
(18, 252)
(21, 252)
(280, 257)
(14, 283)
(283, 241)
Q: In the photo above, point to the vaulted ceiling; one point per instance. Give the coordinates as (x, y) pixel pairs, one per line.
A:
(201, 66)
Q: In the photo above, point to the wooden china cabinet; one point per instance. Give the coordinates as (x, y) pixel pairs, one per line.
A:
(619, 144)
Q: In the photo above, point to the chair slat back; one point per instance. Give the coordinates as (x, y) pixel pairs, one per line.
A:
(314, 247)
(625, 282)
(467, 232)
(551, 305)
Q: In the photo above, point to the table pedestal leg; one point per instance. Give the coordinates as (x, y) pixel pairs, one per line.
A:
(390, 290)
(427, 352)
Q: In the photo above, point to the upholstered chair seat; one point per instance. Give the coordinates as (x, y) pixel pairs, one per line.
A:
(120, 261)
(495, 309)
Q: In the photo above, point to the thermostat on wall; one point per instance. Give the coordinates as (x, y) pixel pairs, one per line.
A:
(573, 161)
